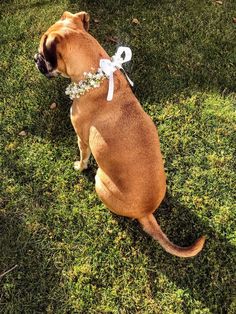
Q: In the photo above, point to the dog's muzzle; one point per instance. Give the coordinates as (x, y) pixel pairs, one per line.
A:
(43, 66)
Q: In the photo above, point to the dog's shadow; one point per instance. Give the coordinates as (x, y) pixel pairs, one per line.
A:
(208, 277)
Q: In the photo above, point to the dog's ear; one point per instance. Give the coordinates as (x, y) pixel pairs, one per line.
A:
(84, 19)
(50, 48)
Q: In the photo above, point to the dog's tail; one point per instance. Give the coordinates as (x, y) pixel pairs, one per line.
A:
(151, 226)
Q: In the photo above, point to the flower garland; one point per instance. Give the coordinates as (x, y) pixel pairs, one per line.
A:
(106, 70)
(91, 80)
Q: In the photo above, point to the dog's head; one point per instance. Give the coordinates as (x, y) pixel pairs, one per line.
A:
(64, 46)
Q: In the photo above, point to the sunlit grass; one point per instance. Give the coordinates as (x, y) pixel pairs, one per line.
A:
(73, 255)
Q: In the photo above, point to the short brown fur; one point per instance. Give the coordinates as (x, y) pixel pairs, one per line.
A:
(122, 138)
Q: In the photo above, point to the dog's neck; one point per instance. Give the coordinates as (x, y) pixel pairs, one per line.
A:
(80, 61)
(107, 68)
(91, 66)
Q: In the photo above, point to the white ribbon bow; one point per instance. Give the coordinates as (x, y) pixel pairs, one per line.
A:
(110, 66)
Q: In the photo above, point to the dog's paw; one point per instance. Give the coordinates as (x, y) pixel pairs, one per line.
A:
(80, 166)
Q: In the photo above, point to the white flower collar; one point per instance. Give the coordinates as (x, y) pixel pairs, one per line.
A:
(106, 70)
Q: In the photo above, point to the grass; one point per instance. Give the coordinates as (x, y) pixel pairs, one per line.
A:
(73, 255)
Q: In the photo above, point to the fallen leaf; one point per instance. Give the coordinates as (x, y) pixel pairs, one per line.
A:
(23, 133)
(112, 39)
(234, 20)
(96, 21)
(135, 21)
(53, 106)
(219, 2)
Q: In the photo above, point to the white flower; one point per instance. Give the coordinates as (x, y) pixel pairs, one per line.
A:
(91, 80)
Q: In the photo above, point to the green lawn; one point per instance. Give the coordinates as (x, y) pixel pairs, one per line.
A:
(73, 255)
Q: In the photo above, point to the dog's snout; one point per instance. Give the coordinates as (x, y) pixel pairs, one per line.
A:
(43, 66)
(40, 63)
(36, 57)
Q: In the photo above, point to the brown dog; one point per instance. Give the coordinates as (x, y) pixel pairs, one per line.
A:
(122, 138)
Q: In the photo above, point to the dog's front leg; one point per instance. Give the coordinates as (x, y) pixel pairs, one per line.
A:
(84, 156)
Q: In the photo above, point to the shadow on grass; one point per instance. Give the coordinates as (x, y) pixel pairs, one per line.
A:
(37, 4)
(35, 276)
(206, 278)
(172, 53)
(53, 124)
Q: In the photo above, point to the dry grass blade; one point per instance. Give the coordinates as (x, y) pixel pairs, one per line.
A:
(7, 271)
